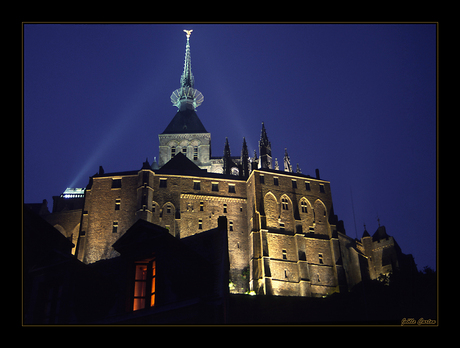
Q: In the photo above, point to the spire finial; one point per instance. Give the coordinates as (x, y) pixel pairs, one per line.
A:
(188, 32)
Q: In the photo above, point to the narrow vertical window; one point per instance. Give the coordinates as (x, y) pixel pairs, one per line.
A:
(173, 152)
(115, 227)
(262, 179)
(284, 203)
(117, 203)
(275, 181)
(307, 186)
(294, 184)
(145, 178)
(321, 188)
(225, 208)
(230, 225)
(284, 254)
(320, 257)
(282, 226)
(200, 224)
(201, 206)
(195, 153)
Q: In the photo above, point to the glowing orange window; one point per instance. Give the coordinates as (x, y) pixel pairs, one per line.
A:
(144, 284)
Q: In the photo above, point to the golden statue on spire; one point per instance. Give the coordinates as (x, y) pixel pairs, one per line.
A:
(188, 32)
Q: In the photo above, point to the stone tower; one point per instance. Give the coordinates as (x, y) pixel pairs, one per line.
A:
(185, 133)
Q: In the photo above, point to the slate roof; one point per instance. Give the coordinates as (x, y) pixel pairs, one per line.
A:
(180, 164)
(185, 121)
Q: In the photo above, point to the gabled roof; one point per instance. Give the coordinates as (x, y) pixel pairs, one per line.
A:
(180, 164)
(141, 234)
(185, 121)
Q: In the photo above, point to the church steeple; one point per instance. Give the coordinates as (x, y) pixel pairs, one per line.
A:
(187, 97)
(185, 133)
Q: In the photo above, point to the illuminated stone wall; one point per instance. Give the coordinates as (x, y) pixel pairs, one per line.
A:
(281, 236)
(292, 247)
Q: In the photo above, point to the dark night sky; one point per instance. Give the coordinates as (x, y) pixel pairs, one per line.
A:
(357, 101)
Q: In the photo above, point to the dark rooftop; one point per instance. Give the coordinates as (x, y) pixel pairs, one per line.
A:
(185, 121)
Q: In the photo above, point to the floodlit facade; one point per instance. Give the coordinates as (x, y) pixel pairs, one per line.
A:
(283, 237)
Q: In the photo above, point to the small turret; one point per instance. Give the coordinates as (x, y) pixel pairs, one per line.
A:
(287, 162)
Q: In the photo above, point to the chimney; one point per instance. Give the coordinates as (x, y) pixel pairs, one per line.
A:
(317, 173)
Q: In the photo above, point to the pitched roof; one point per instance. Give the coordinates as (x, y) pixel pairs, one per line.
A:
(185, 121)
(180, 164)
(380, 234)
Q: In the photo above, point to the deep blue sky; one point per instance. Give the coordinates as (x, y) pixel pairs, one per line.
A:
(357, 101)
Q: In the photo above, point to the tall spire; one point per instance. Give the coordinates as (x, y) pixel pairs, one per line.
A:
(187, 79)
(187, 97)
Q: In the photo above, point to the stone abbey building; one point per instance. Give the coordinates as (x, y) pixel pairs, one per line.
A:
(283, 236)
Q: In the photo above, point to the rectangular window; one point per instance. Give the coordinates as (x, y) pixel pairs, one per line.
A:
(144, 284)
(321, 188)
(284, 254)
(303, 206)
(200, 224)
(275, 181)
(231, 188)
(116, 183)
(262, 179)
(215, 186)
(307, 186)
(230, 224)
(201, 206)
(117, 203)
(284, 203)
(282, 226)
(196, 185)
(195, 153)
(294, 184)
(115, 227)
(163, 183)
(320, 257)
